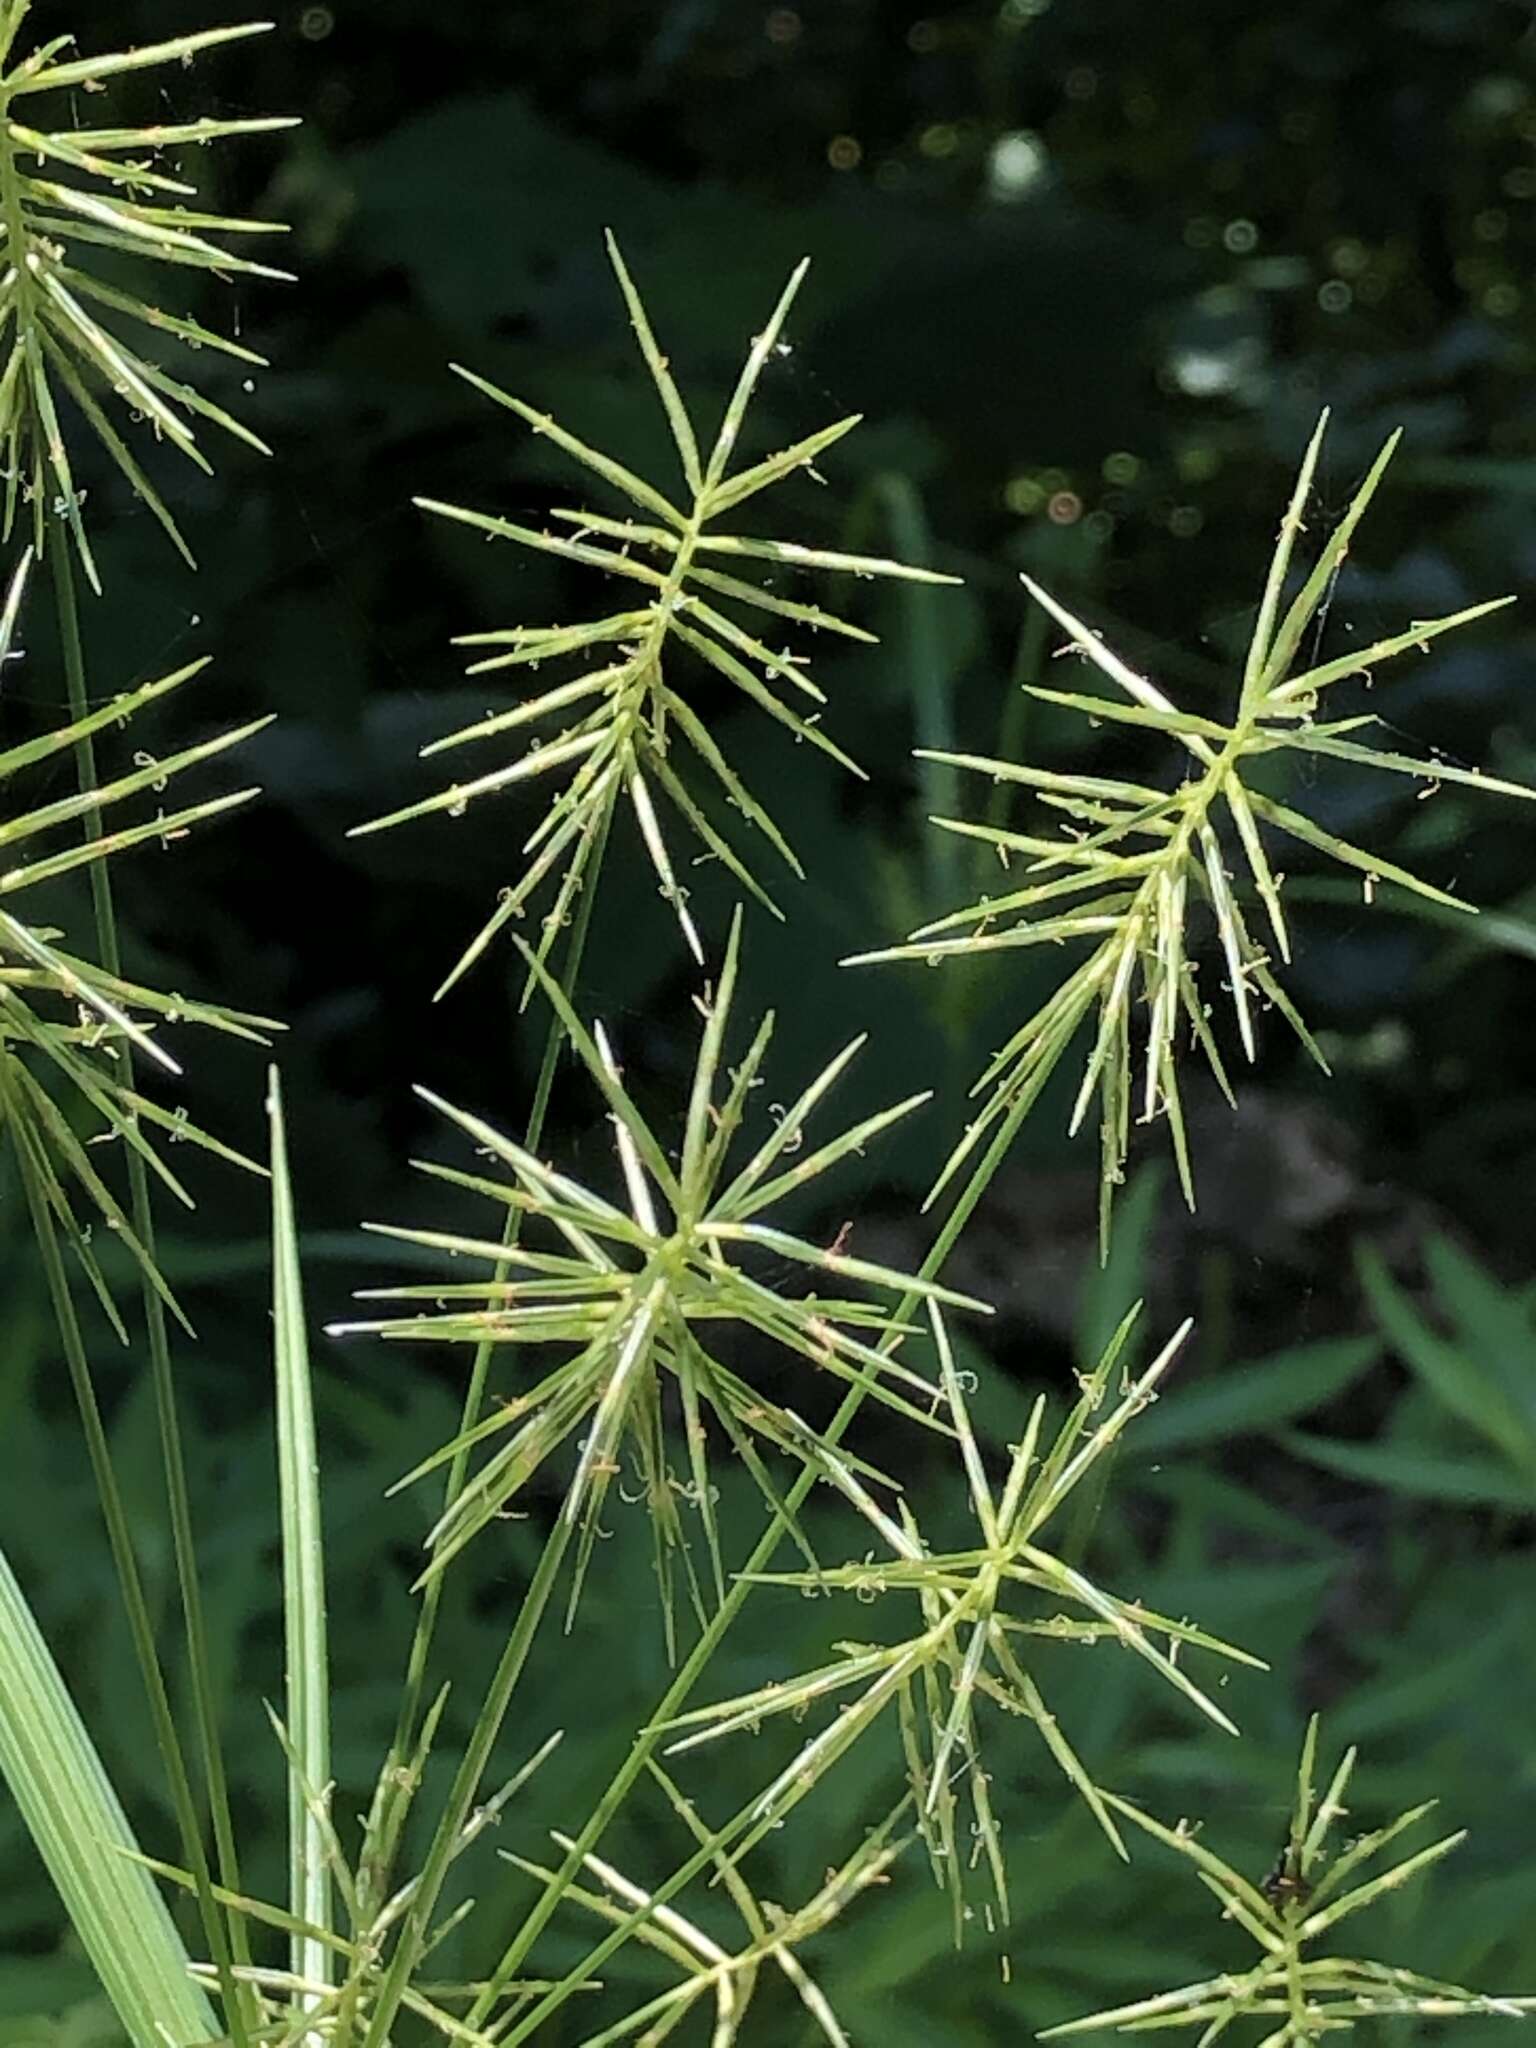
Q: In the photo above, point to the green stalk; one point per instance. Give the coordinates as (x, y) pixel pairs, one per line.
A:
(141, 1629)
(395, 1785)
(466, 1782)
(409, 1719)
(305, 1634)
(510, 1667)
(239, 1999)
(703, 1652)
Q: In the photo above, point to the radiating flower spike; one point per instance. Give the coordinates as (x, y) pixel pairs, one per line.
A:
(1124, 874)
(627, 1292)
(623, 724)
(64, 1020)
(971, 1650)
(1302, 1898)
(68, 335)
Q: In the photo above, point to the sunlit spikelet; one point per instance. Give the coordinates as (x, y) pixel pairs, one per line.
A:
(1132, 863)
(622, 728)
(68, 338)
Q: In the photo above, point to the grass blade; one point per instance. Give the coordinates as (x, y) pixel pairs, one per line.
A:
(74, 1817)
(304, 1615)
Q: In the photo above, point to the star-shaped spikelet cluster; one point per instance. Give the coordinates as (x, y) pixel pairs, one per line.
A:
(630, 1296)
(981, 1609)
(623, 729)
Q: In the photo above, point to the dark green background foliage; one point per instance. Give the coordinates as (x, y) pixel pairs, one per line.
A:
(1090, 270)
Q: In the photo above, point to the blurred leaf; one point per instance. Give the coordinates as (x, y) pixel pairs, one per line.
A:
(1249, 1399)
(1468, 1481)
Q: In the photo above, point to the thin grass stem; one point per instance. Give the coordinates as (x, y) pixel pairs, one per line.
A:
(413, 1700)
(216, 1930)
(240, 2001)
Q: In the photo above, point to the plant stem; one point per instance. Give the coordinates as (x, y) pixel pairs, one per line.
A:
(395, 1790)
(415, 1684)
(35, 1180)
(466, 1782)
(240, 2001)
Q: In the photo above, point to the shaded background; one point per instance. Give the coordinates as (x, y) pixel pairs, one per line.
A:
(1089, 271)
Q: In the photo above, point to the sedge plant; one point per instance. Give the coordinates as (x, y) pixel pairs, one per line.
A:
(652, 1329)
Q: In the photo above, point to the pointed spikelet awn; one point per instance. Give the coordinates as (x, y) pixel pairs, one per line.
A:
(1131, 863)
(67, 192)
(64, 1020)
(623, 728)
(630, 1293)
